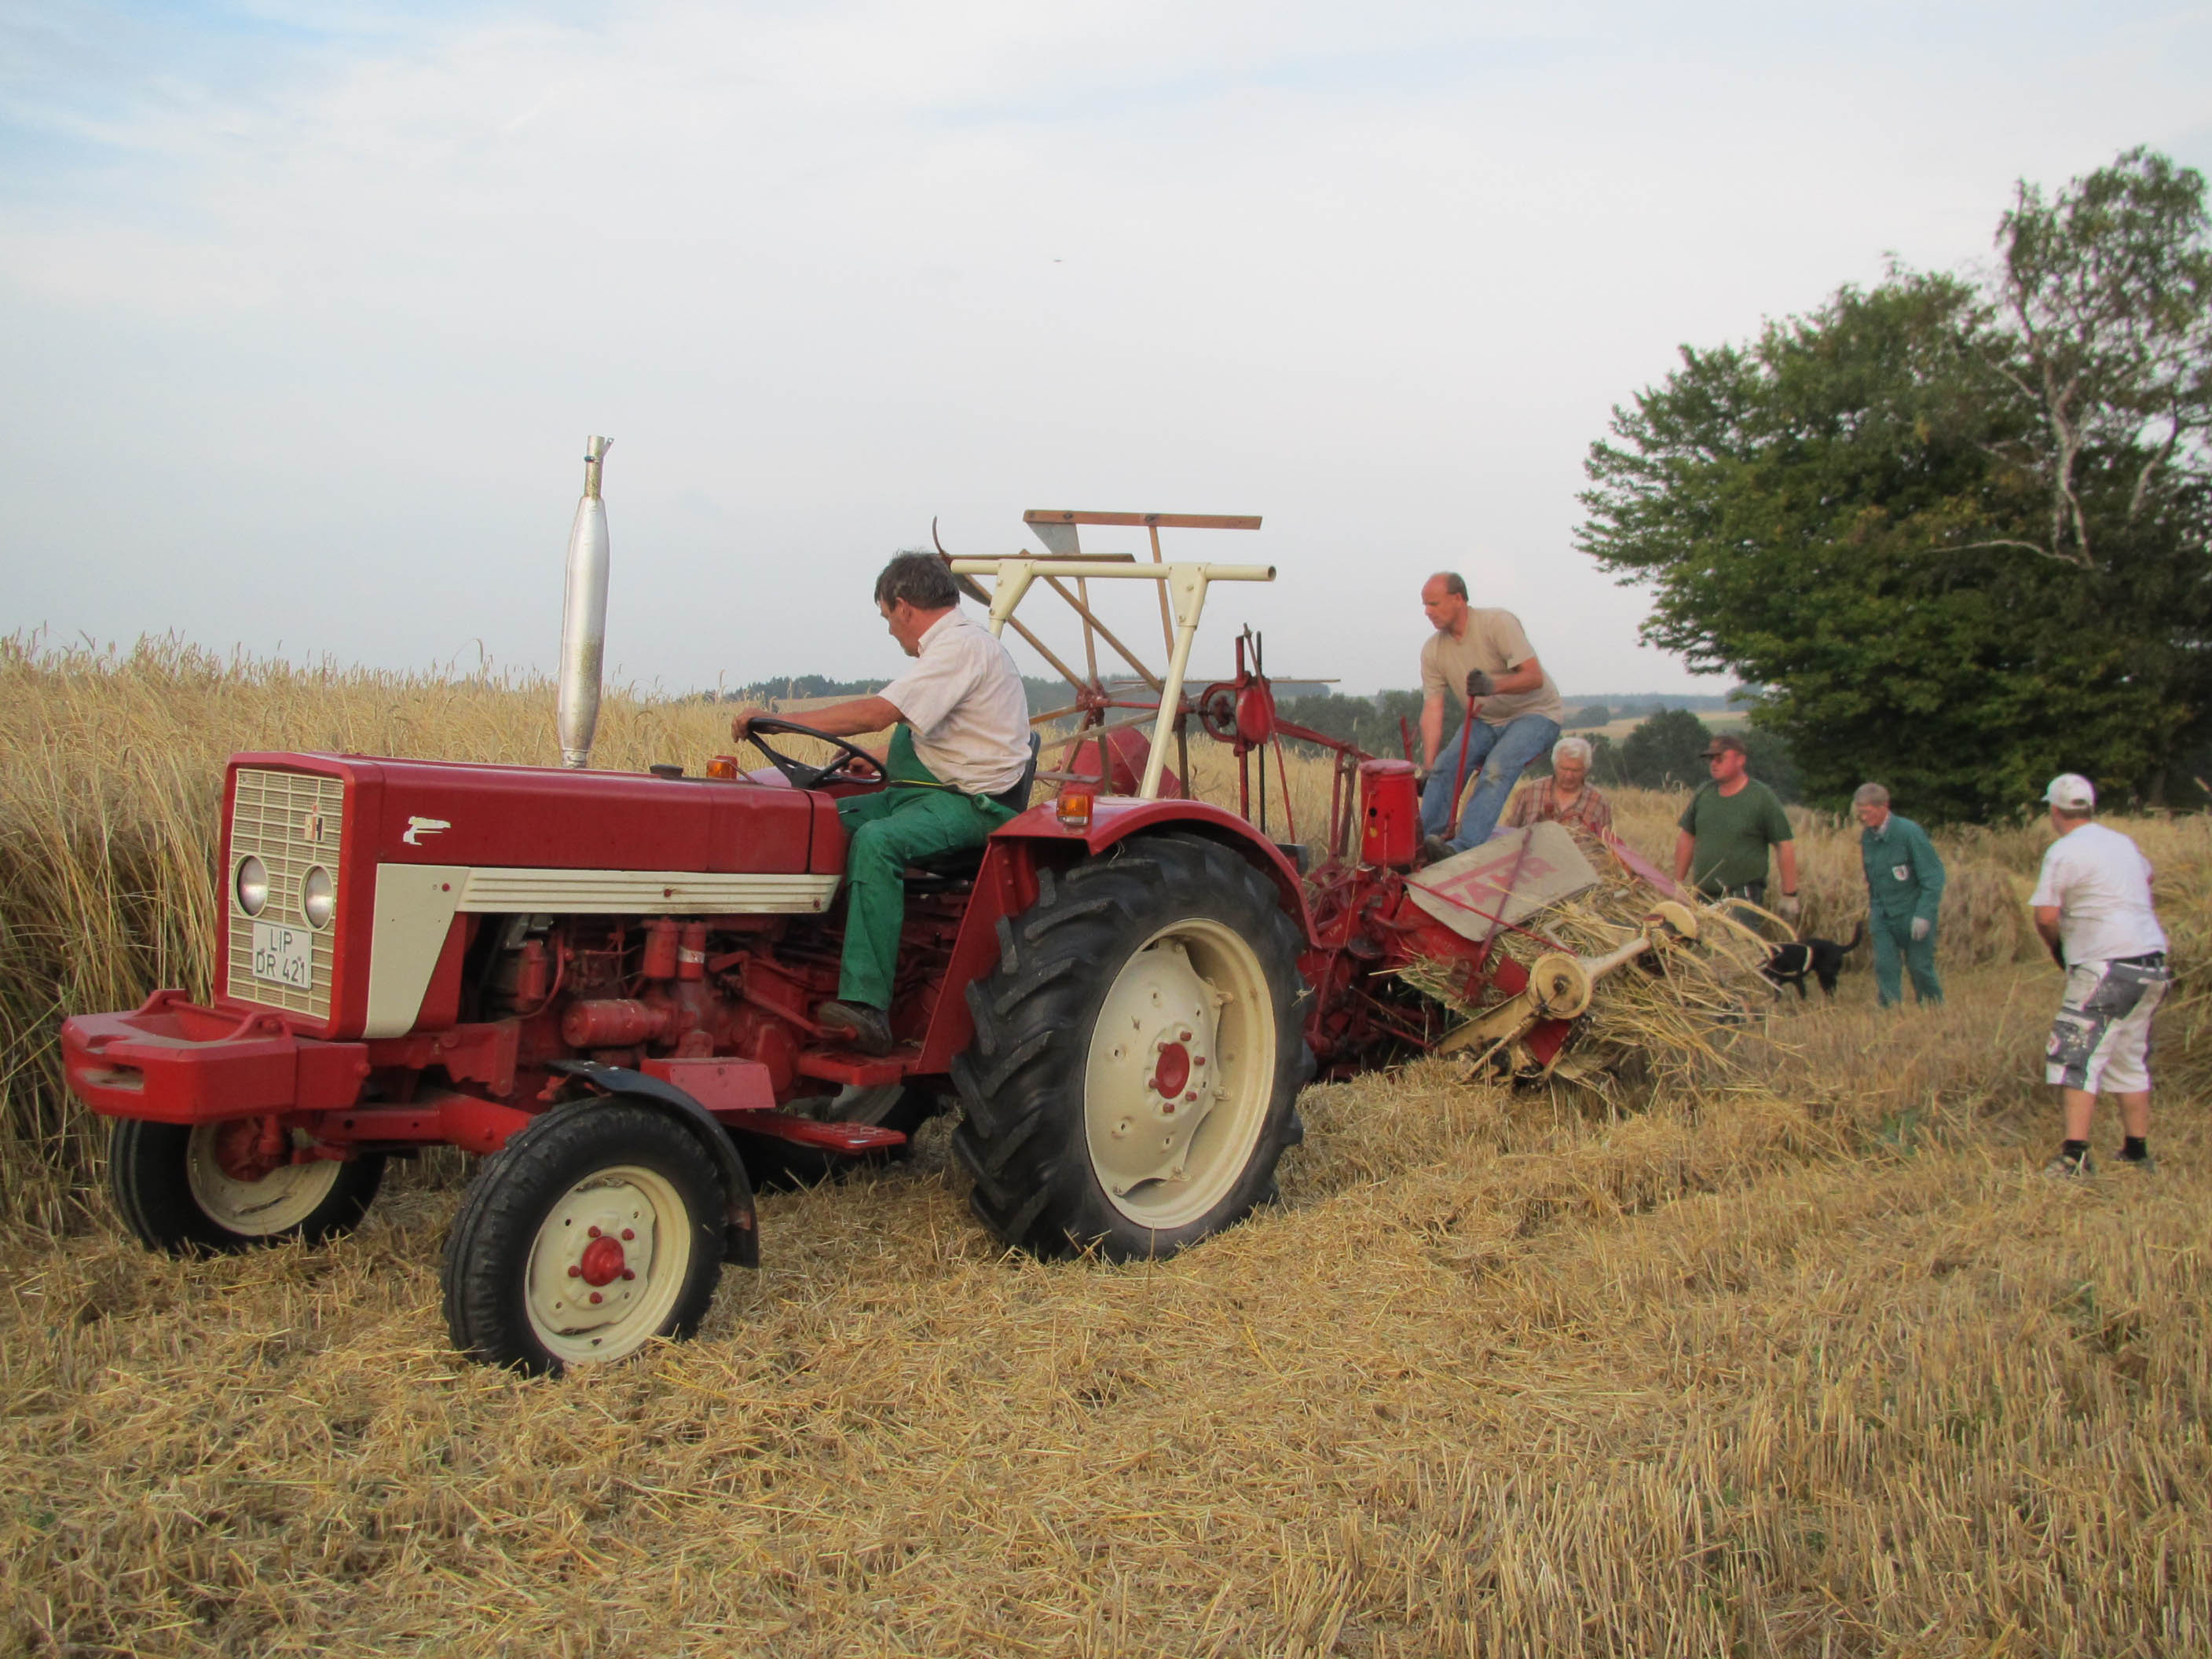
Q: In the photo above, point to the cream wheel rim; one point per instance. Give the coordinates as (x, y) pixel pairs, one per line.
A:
(608, 1264)
(280, 1201)
(1560, 984)
(1181, 1074)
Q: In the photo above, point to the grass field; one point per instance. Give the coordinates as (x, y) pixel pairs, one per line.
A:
(1813, 1363)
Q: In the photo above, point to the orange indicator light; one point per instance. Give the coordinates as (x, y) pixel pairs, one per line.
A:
(1074, 805)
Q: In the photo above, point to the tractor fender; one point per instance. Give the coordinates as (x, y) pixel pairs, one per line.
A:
(741, 1231)
(1034, 841)
(1115, 819)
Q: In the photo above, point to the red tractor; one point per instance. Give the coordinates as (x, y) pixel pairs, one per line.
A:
(603, 982)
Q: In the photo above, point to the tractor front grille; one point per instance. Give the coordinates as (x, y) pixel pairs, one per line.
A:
(290, 821)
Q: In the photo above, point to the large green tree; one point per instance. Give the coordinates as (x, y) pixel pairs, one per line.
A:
(1956, 529)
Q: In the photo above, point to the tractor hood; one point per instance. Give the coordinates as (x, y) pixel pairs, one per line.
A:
(444, 813)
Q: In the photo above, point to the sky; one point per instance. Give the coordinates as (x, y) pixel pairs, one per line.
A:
(306, 309)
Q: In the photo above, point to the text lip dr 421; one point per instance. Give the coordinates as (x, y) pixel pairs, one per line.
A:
(283, 954)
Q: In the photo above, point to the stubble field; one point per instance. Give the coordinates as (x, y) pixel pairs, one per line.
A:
(1811, 1363)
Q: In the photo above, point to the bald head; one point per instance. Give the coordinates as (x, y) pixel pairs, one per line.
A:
(1443, 599)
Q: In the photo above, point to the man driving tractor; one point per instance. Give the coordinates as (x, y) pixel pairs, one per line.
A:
(960, 739)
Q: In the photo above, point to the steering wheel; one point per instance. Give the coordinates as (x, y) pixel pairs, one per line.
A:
(797, 772)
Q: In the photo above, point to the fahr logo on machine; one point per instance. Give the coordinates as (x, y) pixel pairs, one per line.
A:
(608, 983)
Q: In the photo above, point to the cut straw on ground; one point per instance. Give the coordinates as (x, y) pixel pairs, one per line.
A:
(1801, 1361)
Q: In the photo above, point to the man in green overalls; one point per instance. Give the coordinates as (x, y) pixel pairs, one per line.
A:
(1905, 889)
(962, 738)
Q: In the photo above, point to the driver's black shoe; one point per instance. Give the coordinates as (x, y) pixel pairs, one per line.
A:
(872, 1031)
(1435, 849)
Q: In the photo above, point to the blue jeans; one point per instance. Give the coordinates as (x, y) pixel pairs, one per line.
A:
(1500, 752)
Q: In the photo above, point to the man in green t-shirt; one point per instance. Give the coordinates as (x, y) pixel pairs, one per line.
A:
(1905, 889)
(1726, 828)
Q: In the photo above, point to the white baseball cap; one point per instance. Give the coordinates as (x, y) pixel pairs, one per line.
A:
(2070, 793)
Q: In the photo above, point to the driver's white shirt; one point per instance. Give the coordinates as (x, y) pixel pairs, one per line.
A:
(964, 702)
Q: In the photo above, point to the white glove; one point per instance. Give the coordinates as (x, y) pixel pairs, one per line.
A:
(1921, 927)
(1788, 908)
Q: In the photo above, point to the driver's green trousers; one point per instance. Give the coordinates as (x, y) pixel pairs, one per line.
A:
(912, 817)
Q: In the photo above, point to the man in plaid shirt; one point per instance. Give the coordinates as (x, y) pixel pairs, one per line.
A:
(1566, 797)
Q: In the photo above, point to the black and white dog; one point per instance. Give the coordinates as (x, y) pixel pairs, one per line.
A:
(1823, 958)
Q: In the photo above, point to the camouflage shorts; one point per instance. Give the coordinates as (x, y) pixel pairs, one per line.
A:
(2100, 1040)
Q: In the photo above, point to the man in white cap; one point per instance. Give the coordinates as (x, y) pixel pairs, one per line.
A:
(2092, 908)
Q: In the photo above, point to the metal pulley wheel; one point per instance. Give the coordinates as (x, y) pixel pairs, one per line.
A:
(1217, 713)
(1561, 984)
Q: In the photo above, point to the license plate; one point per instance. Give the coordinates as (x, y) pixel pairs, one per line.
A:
(284, 954)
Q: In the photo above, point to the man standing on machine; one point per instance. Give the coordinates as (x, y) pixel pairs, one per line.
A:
(960, 742)
(1480, 659)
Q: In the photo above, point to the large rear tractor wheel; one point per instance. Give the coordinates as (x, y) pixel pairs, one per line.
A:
(597, 1229)
(1138, 1054)
(216, 1188)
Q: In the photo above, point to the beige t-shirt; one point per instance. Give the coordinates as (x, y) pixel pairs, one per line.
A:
(1493, 642)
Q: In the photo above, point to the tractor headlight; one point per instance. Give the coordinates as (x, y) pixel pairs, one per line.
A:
(251, 885)
(319, 898)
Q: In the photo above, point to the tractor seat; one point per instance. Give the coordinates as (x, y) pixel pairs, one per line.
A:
(941, 871)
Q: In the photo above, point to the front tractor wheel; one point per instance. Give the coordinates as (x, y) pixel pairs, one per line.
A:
(214, 1187)
(1138, 1054)
(597, 1229)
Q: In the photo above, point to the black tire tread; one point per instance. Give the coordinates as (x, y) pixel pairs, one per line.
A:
(487, 1249)
(1020, 1137)
(146, 1179)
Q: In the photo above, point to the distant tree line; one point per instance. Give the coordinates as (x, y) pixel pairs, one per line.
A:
(1369, 722)
(1665, 751)
(1661, 753)
(1044, 693)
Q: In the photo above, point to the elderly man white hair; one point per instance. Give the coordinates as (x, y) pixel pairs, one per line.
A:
(1905, 892)
(1566, 797)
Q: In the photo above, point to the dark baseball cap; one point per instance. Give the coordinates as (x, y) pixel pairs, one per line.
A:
(1725, 740)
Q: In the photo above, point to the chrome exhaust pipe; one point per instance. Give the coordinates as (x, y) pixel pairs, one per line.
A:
(584, 615)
